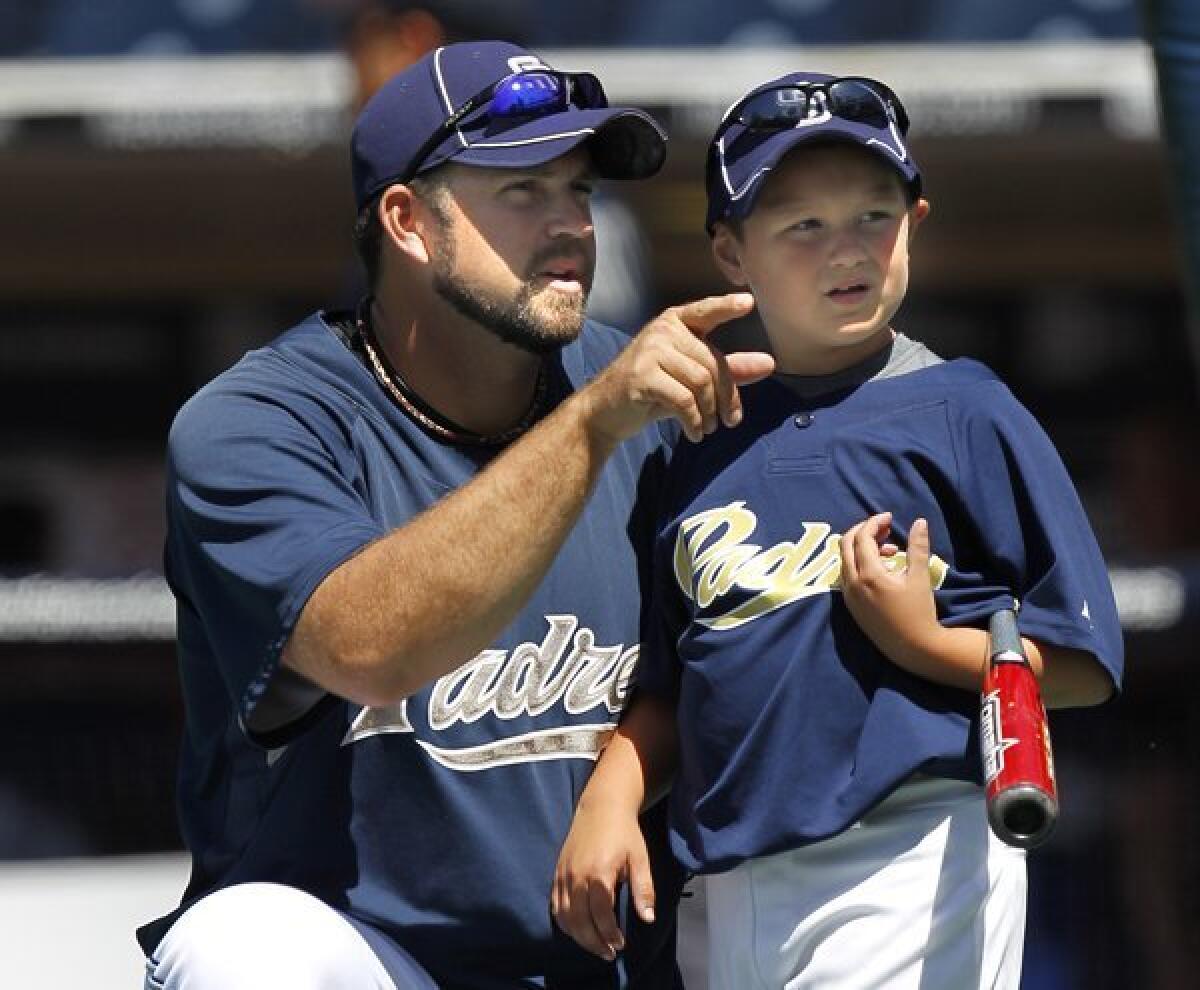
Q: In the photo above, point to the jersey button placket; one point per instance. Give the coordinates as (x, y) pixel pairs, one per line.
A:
(803, 420)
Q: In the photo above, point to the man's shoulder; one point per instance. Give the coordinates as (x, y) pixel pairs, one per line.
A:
(310, 353)
(304, 366)
(309, 356)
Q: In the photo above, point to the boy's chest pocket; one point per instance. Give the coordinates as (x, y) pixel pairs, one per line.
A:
(814, 463)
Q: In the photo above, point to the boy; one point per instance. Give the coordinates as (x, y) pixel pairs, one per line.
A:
(817, 697)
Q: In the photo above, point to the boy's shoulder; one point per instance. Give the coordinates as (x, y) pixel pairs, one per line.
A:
(976, 399)
(974, 388)
(956, 373)
(968, 385)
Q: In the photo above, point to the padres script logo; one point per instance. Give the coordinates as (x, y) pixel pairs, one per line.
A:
(712, 558)
(566, 668)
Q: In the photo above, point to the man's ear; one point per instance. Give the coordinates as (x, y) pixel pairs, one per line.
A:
(398, 219)
(727, 252)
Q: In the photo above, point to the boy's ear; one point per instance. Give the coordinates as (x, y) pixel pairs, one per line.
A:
(397, 217)
(916, 215)
(727, 252)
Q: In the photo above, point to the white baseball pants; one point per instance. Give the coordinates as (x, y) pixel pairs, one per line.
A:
(260, 935)
(919, 895)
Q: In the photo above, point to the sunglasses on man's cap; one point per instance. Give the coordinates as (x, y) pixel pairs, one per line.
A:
(492, 104)
(522, 95)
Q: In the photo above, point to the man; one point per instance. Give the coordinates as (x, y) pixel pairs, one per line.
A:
(383, 37)
(405, 548)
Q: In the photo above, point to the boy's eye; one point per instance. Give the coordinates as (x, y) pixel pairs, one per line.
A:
(877, 216)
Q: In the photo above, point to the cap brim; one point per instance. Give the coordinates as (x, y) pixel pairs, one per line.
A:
(768, 154)
(624, 143)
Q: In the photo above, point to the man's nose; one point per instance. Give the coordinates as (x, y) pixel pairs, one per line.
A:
(569, 218)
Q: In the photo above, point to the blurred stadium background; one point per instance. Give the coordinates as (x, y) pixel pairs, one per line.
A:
(174, 189)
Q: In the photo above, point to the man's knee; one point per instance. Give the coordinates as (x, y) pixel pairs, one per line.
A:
(264, 935)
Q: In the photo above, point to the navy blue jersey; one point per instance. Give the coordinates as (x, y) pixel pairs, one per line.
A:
(438, 819)
(792, 724)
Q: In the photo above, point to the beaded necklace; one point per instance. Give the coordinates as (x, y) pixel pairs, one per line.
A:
(419, 410)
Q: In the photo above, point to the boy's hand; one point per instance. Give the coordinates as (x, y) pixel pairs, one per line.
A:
(895, 608)
(605, 847)
(671, 370)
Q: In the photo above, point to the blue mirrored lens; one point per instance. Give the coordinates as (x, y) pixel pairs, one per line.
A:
(528, 93)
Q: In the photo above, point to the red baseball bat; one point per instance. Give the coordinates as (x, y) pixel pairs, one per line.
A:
(1018, 765)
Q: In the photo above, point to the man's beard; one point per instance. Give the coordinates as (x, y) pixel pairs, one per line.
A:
(518, 320)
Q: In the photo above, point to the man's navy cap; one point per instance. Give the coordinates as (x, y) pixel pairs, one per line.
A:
(408, 109)
(740, 158)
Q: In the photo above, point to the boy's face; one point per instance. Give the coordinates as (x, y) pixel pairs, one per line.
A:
(825, 252)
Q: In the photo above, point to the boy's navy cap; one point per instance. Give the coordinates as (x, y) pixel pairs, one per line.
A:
(740, 159)
(626, 143)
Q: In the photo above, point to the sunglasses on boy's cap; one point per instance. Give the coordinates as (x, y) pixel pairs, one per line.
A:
(803, 107)
(491, 103)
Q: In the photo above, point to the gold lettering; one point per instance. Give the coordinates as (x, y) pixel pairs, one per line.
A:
(689, 559)
(782, 574)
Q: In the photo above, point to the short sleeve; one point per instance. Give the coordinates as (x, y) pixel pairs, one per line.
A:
(1026, 511)
(663, 616)
(262, 503)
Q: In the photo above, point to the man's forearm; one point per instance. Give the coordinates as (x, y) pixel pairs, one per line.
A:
(417, 603)
(430, 595)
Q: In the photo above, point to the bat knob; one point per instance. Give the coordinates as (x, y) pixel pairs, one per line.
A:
(1023, 815)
